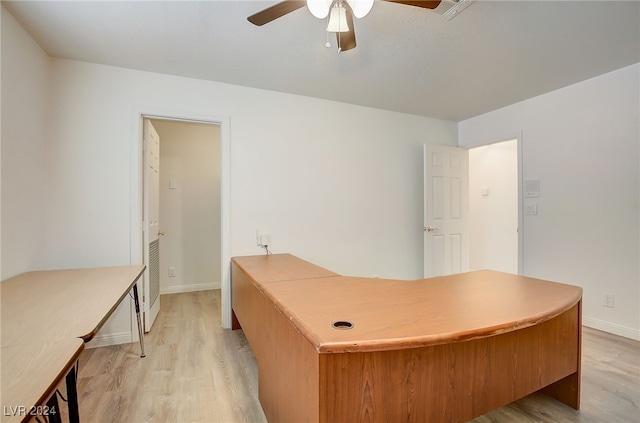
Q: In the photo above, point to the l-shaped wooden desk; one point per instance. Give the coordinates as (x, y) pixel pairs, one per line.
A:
(344, 349)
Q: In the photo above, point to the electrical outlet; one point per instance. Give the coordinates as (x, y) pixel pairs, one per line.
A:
(172, 272)
(607, 299)
(262, 240)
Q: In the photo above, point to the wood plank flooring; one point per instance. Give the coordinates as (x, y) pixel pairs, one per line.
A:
(197, 372)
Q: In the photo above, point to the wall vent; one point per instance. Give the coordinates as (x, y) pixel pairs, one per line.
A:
(154, 271)
(452, 8)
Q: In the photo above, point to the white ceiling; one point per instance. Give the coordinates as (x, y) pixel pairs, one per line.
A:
(411, 60)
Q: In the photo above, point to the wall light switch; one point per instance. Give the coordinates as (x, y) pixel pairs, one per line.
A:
(531, 209)
(173, 184)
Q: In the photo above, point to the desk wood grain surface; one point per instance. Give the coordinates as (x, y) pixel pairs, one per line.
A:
(30, 374)
(279, 267)
(392, 314)
(413, 344)
(56, 304)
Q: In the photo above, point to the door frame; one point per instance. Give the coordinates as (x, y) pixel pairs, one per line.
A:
(137, 193)
(518, 136)
(519, 153)
(518, 194)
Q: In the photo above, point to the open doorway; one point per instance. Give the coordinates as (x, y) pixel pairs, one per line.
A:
(182, 209)
(190, 206)
(494, 207)
(137, 201)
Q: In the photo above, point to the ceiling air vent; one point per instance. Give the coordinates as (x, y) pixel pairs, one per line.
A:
(451, 8)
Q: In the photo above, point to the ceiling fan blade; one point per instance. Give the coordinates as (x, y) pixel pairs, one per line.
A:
(347, 40)
(274, 12)
(426, 4)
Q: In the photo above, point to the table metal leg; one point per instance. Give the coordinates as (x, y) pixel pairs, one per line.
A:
(72, 396)
(140, 331)
(53, 409)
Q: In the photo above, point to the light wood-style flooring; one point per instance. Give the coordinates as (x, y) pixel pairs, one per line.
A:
(195, 371)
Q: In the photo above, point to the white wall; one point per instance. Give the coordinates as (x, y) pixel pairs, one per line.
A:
(493, 207)
(313, 179)
(581, 142)
(343, 193)
(190, 213)
(25, 79)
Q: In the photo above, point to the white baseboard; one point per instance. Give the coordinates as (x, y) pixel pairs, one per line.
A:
(177, 289)
(110, 339)
(611, 328)
(127, 337)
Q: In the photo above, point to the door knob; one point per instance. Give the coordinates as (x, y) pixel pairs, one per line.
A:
(430, 229)
(160, 233)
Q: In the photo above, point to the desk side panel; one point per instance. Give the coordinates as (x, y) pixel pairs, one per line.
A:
(451, 382)
(567, 390)
(249, 307)
(287, 362)
(288, 385)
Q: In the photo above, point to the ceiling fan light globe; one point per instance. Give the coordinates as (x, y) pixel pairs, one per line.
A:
(360, 8)
(319, 8)
(338, 20)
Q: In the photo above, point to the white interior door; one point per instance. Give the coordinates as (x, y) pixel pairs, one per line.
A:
(151, 295)
(446, 198)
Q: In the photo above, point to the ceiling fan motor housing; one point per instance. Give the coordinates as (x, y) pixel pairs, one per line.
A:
(320, 8)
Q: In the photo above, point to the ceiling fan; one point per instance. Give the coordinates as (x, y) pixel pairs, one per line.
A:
(339, 12)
